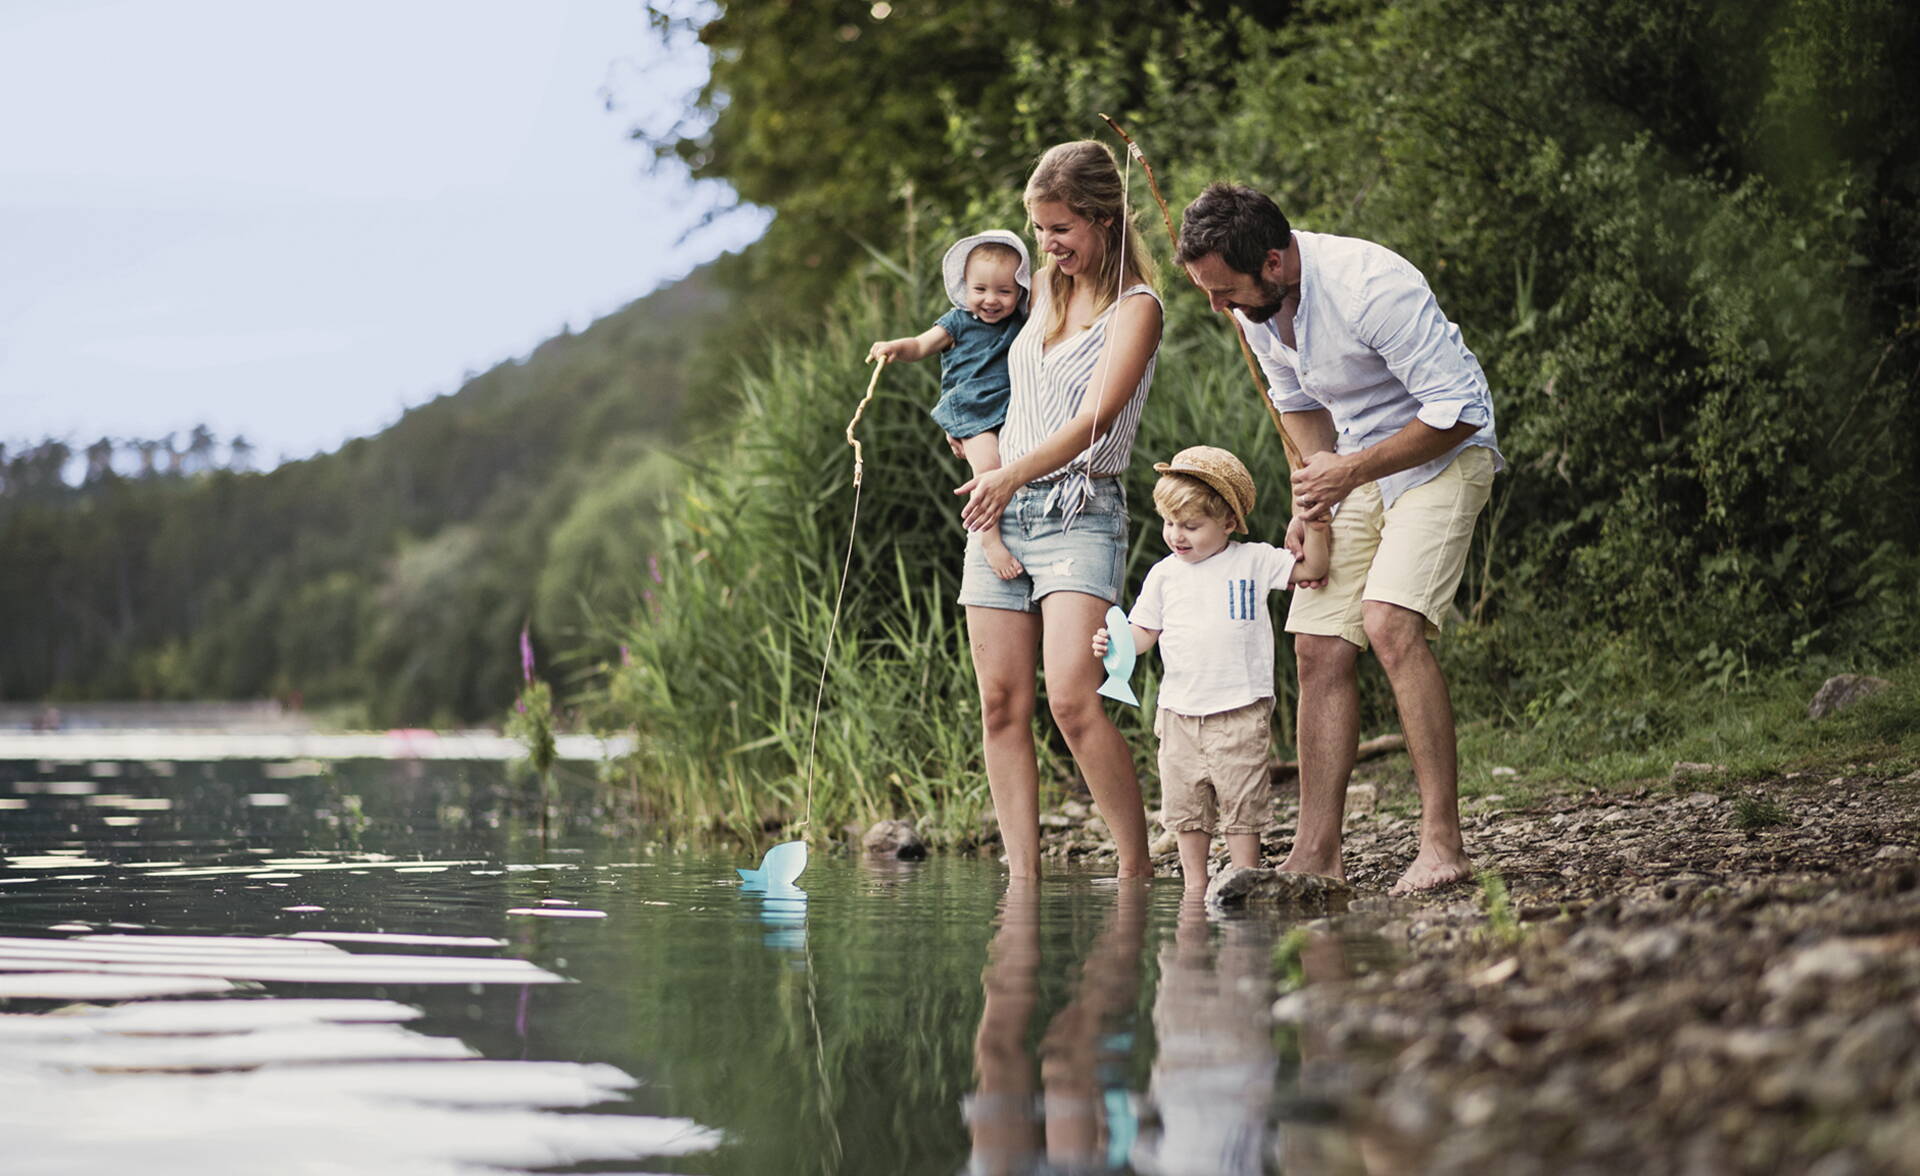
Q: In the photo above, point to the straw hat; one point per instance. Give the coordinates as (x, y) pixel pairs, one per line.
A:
(1218, 469)
(953, 267)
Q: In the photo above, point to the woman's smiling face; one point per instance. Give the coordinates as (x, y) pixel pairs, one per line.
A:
(1071, 240)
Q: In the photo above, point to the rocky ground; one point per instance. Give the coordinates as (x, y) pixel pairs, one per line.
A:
(1700, 977)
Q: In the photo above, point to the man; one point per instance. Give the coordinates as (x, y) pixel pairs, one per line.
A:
(1394, 424)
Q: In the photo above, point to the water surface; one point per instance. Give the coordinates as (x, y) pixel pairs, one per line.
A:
(271, 967)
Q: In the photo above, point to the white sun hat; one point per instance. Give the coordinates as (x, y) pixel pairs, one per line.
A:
(953, 267)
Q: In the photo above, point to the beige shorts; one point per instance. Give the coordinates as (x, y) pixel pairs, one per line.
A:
(1411, 555)
(1216, 764)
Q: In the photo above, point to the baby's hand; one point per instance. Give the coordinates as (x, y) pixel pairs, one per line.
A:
(1100, 643)
(887, 349)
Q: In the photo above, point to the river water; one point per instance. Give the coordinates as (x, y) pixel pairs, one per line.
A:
(379, 968)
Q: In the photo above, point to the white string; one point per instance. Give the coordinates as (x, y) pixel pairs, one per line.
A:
(833, 627)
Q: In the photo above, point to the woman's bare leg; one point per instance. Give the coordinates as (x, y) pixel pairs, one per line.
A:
(1004, 644)
(982, 451)
(1073, 681)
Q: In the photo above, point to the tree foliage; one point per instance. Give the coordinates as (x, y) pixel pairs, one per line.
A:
(1681, 238)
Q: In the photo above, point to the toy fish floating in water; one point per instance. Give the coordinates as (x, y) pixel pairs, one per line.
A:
(783, 863)
(1119, 658)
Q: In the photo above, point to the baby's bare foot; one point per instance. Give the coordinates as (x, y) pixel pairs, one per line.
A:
(1001, 560)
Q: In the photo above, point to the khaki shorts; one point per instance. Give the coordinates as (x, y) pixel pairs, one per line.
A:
(1411, 555)
(1216, 764)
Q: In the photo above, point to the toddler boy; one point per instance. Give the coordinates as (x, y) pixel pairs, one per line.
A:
(1205, 605)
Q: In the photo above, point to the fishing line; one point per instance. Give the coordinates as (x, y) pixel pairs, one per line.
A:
(833, 628)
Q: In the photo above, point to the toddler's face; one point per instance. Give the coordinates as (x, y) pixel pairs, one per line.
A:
(992, 294)
(1194, 538)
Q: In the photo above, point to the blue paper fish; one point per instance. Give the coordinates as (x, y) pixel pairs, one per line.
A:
(783, 863)
(1119, 658)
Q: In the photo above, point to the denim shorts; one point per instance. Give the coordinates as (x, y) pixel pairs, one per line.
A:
(1090, 558)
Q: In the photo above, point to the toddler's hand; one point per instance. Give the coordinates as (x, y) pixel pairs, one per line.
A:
(1100, 643)
(887, 349)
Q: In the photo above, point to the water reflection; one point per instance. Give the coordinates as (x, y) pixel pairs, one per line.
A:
(1079, 1117)
(1213, 1078)
(847, 1028)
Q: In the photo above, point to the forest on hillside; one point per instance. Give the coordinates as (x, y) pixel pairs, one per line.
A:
(1684, 240)
(388, 580)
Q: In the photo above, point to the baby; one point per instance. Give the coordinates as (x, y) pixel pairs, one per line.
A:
(988, 278)
(1206, 607)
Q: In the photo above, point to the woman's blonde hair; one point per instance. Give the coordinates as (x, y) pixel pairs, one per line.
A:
(1084, 177)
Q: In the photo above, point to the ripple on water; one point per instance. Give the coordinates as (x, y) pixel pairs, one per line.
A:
(195, 1086)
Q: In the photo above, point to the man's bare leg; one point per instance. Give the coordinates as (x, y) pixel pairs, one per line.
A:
(1329, 737)
(1399, 637)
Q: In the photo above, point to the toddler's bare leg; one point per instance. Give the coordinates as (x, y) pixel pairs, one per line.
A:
(1243, 849)
(1195, 845)
(982, 451)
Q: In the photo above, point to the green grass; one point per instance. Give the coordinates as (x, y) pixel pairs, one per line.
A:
(1758, 732)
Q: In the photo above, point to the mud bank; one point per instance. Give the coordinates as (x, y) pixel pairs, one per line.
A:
(1697, 978)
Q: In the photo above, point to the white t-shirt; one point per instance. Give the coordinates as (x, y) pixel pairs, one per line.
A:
(1216, 638)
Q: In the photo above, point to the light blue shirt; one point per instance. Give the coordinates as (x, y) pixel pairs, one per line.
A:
(1375, 352)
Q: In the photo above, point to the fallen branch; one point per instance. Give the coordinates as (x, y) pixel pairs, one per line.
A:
(1286, 770)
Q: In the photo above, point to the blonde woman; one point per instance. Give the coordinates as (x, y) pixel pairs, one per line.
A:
(1080, 372)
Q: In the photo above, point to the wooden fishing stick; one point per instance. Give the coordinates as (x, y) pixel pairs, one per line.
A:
(1239, 334)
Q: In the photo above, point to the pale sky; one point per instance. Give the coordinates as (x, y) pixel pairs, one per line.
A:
(293, 221)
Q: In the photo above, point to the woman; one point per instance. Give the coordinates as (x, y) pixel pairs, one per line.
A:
(1080, 372)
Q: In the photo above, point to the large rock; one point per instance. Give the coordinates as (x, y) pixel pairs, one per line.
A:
(1842, 691)
(1240, 888)
(894, 839)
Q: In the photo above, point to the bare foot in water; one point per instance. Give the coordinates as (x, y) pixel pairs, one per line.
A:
(1001, 560)
(1431, 870)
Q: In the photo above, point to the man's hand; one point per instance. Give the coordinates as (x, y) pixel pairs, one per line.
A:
(1322, 483)
(1297, 543)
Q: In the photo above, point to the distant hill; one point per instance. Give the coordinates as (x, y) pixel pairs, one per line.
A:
(392, 574)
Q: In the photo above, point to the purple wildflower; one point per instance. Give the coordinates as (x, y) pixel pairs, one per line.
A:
(626, 656)
(653, 566)
(526, 656)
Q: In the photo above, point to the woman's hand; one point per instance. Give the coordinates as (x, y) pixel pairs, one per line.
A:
(1100, 642)
(1297, 543)
(987, 496)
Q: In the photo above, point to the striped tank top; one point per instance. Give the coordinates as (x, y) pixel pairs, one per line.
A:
(1050, 387)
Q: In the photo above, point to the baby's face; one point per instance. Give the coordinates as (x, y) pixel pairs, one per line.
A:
(1194, 538)
(992, 294)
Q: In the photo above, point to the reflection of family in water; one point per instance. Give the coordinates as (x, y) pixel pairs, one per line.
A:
(1210, 1095)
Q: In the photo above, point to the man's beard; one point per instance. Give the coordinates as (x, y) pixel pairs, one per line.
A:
(1272, 296)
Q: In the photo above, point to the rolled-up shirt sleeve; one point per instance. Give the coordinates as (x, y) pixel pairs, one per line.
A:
(1400, 320)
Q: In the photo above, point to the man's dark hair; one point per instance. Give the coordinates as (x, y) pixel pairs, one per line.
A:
(1235, 221)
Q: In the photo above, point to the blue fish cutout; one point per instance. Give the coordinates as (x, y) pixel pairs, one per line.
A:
(1119, 659)
(783, 863)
